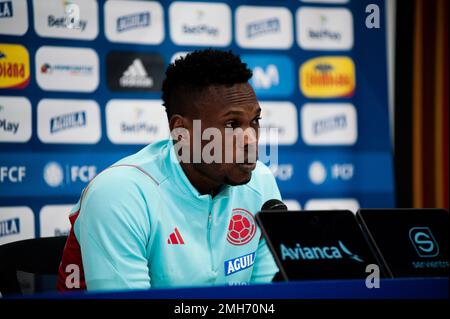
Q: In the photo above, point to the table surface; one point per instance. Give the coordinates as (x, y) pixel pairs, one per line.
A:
(402, 288)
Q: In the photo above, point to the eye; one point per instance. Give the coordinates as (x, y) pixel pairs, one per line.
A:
(256, 120)
(232, 124)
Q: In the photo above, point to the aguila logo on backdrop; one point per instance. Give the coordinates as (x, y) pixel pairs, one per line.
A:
(6, 9)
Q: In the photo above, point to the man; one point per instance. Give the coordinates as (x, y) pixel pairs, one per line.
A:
(154, 220)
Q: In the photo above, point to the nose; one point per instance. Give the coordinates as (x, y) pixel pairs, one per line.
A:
(250, 138)
(251, 145)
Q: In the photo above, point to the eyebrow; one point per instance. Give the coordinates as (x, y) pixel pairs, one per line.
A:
(238, 112)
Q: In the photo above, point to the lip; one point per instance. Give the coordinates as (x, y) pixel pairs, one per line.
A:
(247, 167)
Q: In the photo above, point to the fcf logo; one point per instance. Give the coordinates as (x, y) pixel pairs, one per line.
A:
(242, 227)
(424, 242)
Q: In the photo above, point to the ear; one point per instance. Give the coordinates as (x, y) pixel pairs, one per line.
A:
(176, 121)
(179, 128)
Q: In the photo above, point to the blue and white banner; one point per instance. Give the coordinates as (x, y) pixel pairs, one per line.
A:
(80, 85)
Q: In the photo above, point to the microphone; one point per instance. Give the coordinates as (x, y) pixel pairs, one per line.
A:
(274, 204)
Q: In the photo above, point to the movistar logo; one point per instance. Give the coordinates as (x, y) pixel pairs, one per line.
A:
(317, 253)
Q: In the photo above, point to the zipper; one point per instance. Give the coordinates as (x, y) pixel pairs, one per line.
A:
(211, 259)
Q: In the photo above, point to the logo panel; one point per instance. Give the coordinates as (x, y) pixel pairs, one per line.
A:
(264, 27)
(333, 204)
(328, 77)
(54, 220)
(134, 22)
(134, 71)
(292, 204)
(136, 121)
(273, 75)
(13, 17)
(68, 121)
(16, 223)
(76, 19)
(281, 116)
(329, 124)
(67, 69)
(324, 29)
(15, 119)
(14, 66)
(203, 24)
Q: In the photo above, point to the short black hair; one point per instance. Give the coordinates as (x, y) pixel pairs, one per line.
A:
(196, 71)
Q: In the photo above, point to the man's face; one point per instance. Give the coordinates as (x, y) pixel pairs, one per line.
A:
(230, 110)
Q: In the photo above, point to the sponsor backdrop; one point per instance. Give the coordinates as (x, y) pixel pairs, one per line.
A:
(80, 88)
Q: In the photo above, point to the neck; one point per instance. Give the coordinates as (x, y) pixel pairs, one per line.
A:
(203, 184)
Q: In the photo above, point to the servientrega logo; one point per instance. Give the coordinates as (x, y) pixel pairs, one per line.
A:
(424, 242)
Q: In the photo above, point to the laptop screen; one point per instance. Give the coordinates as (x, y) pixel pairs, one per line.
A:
(316, 244)
(412, 242)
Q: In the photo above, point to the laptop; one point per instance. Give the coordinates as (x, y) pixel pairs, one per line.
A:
(316, 244)
(410, 242)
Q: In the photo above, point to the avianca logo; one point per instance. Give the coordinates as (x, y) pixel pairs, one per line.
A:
(317, 253)
(175, 238)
